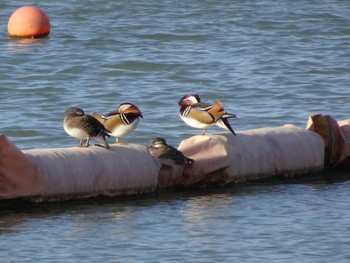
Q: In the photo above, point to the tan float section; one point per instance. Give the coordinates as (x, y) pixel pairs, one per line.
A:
(71, 173)
(251, 155)
(56, 174)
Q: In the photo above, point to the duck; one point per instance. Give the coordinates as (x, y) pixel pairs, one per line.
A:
(201, 115)
(122, 121)
(84, 127)
(167, 153)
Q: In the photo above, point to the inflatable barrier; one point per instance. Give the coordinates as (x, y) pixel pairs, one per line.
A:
(251, 155)
(58, 174)
(74, 173)
(336, 137)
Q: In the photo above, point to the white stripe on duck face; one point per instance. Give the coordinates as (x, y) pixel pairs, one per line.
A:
(187, 111)
(124, 119)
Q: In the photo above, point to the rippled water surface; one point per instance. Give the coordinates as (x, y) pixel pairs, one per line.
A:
(270, 62)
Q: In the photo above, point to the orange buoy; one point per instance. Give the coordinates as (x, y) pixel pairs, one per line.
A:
(28, 22)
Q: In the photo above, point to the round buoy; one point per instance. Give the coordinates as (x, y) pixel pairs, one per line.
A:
(28, 22)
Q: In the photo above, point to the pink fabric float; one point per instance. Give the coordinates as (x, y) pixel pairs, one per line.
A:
(19, 176)
(336, 136)
(70, 173)
(251, 155)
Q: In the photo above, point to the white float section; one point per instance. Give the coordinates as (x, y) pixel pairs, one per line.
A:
(82, 172)
(253, 154)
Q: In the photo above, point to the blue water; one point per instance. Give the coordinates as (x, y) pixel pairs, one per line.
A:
(269, 62)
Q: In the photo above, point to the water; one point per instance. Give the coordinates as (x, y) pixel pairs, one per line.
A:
(269, 62)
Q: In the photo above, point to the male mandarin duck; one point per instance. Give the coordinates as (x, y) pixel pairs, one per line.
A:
(122, 121)
(202, 115)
